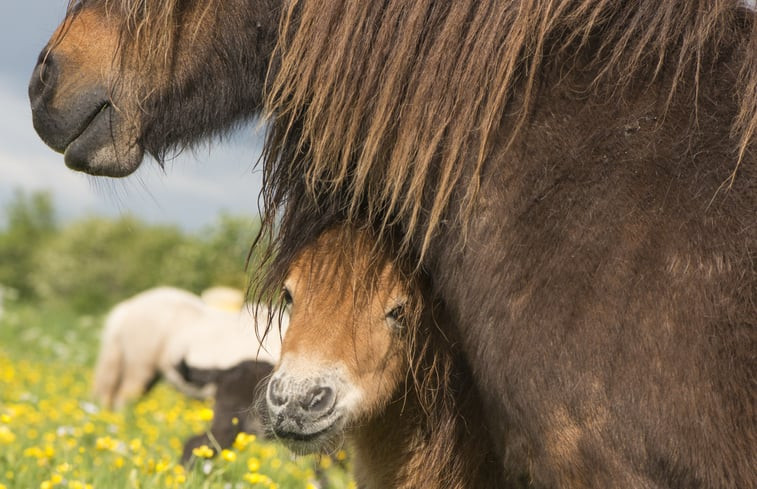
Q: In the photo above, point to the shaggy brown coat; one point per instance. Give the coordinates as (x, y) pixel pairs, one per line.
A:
(579, 179)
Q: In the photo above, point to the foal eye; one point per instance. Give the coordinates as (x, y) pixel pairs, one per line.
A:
(396, 315)
(286, 296)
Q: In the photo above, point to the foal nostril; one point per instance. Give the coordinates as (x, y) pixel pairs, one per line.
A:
(275, 396)
(43, 78)
(318, 399)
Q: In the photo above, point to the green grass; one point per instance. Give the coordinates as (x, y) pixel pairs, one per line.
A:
(52, 435)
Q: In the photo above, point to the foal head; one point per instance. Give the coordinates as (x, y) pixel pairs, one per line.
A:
(344, 354)
(120, 78)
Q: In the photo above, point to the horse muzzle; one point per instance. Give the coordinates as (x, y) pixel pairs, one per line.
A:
(75, 117)
(303, 413)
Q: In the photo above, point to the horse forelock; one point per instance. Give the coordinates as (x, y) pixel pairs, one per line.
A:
(382, 98)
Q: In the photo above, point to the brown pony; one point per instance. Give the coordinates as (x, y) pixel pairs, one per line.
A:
(357, 326)
(577, 177)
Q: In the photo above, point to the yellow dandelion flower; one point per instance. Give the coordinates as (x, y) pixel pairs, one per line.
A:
(205, 414)
(341, 455)
(325, 462)
(257, 478)
(56, 479)
(5, 418)
(105, 443)
(75, 485)
(118, 462)
(242, 440)
(6, 436)
(135, 445)
(33, 452)
(63, 468)
(161, 466)
(3, 486)
(253, 464)
(228, 455)
(203, 451)
(235, 421)
(46, 485)
(310, 485)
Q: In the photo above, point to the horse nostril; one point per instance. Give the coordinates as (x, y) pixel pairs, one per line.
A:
(318, 399)
(43, 78)
(275, 397)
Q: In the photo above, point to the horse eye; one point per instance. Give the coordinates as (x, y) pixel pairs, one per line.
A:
(396, 315)
(75, 6)
(286, 296)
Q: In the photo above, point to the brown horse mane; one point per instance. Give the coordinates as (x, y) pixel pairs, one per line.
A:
(379, 99)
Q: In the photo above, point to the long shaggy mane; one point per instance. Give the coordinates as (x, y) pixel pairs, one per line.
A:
(374, 100)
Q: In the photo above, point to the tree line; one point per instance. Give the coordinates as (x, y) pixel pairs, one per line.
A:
(93, 262)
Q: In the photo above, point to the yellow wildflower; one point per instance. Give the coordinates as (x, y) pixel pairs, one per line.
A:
(243, 440)
(106, 443)
(203, 451)
(205, 414)
(228, 455)
(325, 462)
(257, 478)
(6, 436)
(253, 464)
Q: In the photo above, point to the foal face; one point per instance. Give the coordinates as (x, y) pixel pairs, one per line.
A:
(342, 357)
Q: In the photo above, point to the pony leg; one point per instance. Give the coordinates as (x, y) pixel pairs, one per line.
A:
(134, 383)
(108, 373)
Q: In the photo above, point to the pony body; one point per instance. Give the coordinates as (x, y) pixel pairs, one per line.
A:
(156, 331)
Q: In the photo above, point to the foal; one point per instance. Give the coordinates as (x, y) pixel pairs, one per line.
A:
(362, 359)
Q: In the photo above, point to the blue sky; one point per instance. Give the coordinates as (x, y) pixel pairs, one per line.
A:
(193, 190)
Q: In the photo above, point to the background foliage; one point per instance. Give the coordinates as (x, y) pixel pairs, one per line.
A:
(94, 262)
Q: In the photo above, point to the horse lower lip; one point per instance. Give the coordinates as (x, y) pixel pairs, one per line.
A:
(89, 121)
(303, 437)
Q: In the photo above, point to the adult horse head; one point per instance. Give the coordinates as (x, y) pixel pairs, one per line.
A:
(122, 78)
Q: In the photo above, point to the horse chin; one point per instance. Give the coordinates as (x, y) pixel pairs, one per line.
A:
(313, 439)
(106, 147)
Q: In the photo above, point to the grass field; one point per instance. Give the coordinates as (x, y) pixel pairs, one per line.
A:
(52, 435)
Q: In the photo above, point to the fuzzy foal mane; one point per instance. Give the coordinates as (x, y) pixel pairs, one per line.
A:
(378, 99)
